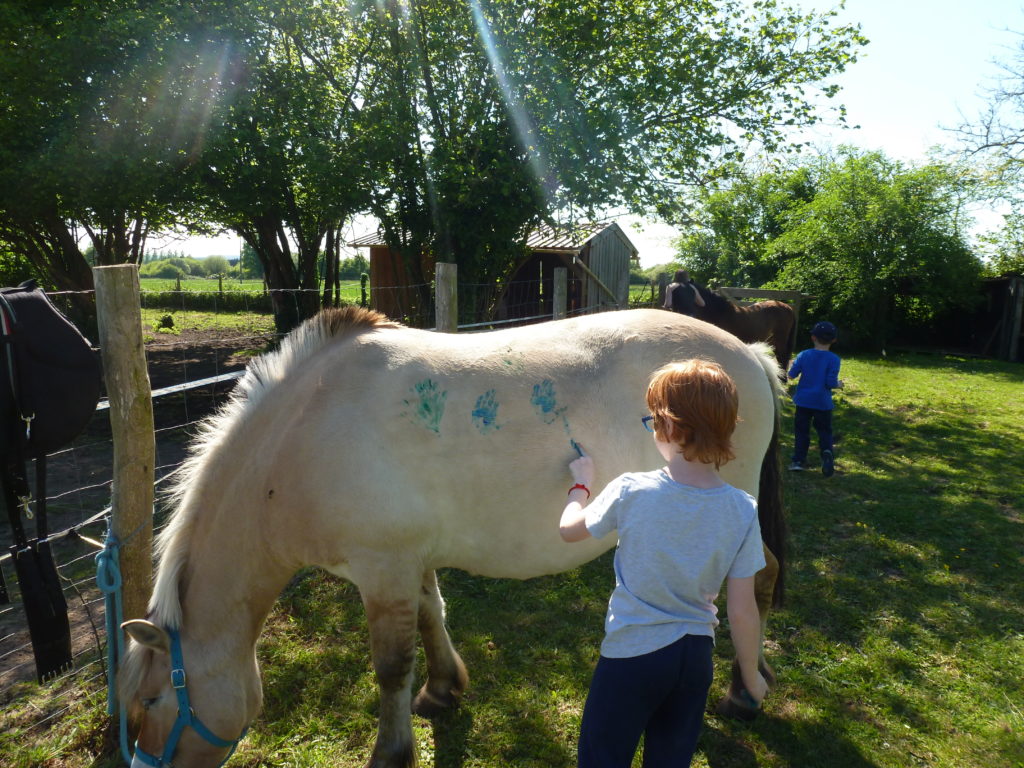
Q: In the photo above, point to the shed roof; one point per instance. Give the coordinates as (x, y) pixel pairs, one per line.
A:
(564, 238)
(560, 240)
(369, 240)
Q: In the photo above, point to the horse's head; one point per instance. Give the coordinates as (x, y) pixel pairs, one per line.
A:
(191, 704)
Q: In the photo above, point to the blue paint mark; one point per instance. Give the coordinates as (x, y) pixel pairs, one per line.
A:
(485, 414)
(544, 402)
(429, 406)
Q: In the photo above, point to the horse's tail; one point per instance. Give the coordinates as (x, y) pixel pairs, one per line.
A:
(786, 352)
(770, 513)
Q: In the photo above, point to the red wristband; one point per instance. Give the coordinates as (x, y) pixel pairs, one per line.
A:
(580, 485)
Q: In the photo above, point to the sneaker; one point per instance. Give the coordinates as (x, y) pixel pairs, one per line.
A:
(828, 463)
(796, 466)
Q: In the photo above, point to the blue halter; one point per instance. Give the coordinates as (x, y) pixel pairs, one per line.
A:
(186, 717)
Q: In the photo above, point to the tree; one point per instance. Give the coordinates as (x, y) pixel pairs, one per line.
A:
(285, 169)
(15, 269)
(460, 125)
(216, 265)
(881, 246)
(1005, 247)
(739, 223)
(354, 266)
(101, 127)
(492, 117)
(998, 131)
(995, 140)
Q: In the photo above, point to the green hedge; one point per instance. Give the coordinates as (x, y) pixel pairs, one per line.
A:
(207, 301)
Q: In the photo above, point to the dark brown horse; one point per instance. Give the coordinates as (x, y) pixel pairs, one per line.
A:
(770, 321)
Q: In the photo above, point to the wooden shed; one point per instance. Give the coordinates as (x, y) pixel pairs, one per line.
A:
(1002, 323)
(597, 256)
(390, 290)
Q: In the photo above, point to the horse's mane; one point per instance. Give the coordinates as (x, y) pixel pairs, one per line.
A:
(713, 302)
(263, 375)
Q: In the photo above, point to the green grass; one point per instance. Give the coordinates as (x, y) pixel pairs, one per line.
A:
(349, 288)
(901, 643)
(199, 284)
(243, 323)
(642, 295)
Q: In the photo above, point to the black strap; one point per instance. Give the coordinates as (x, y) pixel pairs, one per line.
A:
(42, 531)
(15, 488)
(8, 326)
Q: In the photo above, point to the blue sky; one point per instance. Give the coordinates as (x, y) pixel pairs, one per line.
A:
(927, 65)
(928, 61)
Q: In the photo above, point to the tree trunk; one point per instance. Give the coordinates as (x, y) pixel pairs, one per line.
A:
(293, 288)
(330, 267)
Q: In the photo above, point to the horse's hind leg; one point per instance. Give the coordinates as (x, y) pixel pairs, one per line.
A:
(735, 704)
(391, 599)
(446, 674)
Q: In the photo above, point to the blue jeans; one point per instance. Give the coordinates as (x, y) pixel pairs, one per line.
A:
(805, 417)
(660, 695)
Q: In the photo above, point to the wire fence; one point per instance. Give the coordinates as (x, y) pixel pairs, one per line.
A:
(191, 374)
(190, 377)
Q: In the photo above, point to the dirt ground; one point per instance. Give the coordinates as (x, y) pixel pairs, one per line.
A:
(78, 487)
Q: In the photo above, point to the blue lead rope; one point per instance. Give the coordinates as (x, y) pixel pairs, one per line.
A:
(108, 578)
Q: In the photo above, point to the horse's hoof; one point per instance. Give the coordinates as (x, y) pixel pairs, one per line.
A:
(429, 705)
(735, 709)
(404, 758)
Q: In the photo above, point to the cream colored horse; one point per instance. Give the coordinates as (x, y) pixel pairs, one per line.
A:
(382, 453)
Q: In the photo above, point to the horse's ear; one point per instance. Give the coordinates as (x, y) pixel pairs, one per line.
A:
(148, 634)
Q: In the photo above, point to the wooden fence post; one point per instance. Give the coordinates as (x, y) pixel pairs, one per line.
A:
(131, 422)
(560, 298)
(1015, 304)
(446, 297)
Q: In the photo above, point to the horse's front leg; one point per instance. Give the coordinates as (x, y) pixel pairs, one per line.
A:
(446, 674)
(392, 602)
(735, 703)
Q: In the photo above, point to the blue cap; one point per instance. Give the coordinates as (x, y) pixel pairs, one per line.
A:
(824, 330)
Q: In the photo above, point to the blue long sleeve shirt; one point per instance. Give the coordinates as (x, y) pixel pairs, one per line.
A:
(818, 370)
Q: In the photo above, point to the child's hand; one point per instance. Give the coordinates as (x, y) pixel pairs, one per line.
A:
(583, 470)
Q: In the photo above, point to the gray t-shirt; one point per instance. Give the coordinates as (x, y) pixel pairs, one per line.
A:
(677, 544)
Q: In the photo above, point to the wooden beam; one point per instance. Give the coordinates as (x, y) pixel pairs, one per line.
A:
(560, 298)
(761, 293)
(446, 297)
(131, 422)
(1016, 297)
(590, 273)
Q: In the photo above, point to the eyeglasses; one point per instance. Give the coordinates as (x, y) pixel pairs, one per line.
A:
(647, 422)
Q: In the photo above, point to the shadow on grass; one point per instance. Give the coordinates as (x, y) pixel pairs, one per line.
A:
(925, 516)
(451, 735)
(527, 645)
(795, 743)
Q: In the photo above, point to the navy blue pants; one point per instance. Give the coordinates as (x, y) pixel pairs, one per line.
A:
(802, 422)
(660, 695)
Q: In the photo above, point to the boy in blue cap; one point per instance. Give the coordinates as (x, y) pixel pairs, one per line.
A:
(818, 371)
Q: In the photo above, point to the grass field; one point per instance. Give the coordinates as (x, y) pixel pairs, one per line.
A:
(901, 643)
(349, 288)
(199, 284)
(243, 323)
